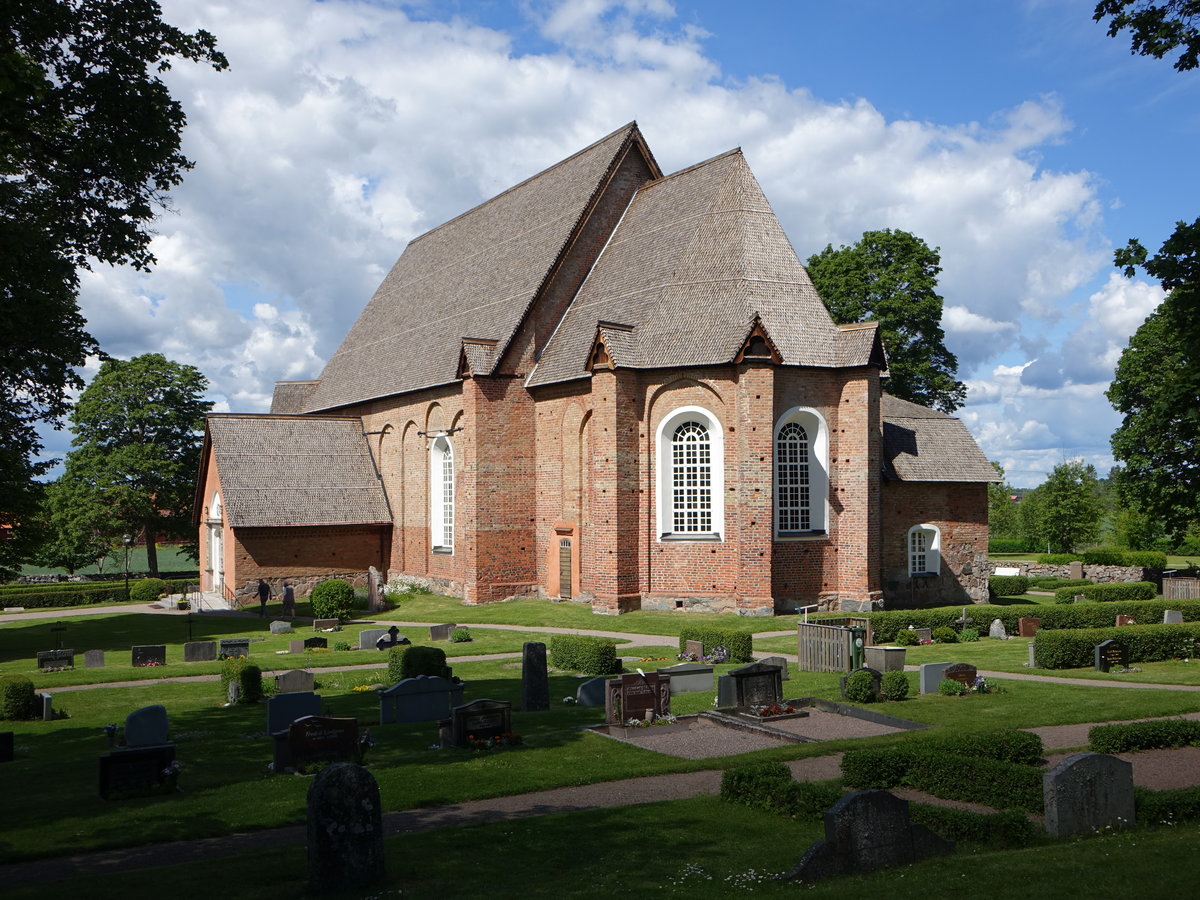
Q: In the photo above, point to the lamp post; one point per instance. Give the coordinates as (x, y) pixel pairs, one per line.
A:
(127, 539)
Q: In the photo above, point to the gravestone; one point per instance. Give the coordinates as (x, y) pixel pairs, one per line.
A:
(1076, 570)
(1088, 792)
(233, 693)
(93, 659)
(295, 680)
(316, 642)
(1172, 617)
(199, 651)
(326, 625)
(137, 770)
(1032, 655)
(6, 746)
(931, 675)
(634, 696)
(441, 632)
(393, 638)
(876, 679)
(591, 692)
(1111, 655)
(425, 698)
(322, 738)
(148, 655)
(146, 727)
(284, 709)
(1027, 626)
(368, 636)
(780, 661)
(235, 648)
(866, 831)
(535, 681)
(345, 830)
(689, 676)
(1007, 570)
(296, 646)
(47, 704)
(997, 631)
(924, 635)
(56, 659)
(885, 659)
(480, 719)
(754, 685)
(963, 673)
(694, 648)
(1125, 620)
(278, 627)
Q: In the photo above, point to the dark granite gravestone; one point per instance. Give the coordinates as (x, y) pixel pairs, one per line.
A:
(56, 659)
(591, 692)
(689, 676)
(137, 770)
(426, 698)
(694, 648)
(93, 659)
(1088, 792)
(866, 831)
(1111, 655)
(963, 673)
(284, 709)
(6, 746)
(148, 655)
(480, 720)
(637, 696)
(876, 679)
(754, 685)
(1027, 626)
(535, 681)
(235, 647)
(199, 651)
(345, 830)
(146, 727)
(312, 642)
(322, 739)
(441, 632)
(295, 680)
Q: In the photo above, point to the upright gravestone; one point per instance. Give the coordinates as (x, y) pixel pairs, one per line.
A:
(1172, 617)
(754, 685)
(694, 649)
(322, 738)
(637, 696)
(296, 646)
(368, 636)
(924, 635)
(931, 675)
(93, 659)
(148, 655)
(345, 830)
(1027, 626)
(316, 643)
(6, 746)
(47, 702)
(284, 709)
(591, 692)
(146, 727)
(1111, 655)
(780, 661)
(535, 681)
(1088, 792)
(997, 631)
(441, 632)
(391, 639)
(235, 647)
(480, 720)
(295, 680)
(56, 659)
(278, 627)
(1076, 571)
(963, 673)
(689, 676)
(426, 698)
(199, 651)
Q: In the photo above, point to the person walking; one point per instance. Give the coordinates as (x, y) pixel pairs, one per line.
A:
(289, 599)
(264, 594)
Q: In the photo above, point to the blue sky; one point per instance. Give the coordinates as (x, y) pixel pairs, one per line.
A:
(1016, 136)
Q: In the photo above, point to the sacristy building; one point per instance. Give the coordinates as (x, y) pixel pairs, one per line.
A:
(610, 385)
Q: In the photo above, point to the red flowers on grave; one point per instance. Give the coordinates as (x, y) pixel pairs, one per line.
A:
(772, 709)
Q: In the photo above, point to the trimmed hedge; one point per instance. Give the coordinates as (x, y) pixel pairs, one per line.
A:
(1050, 583)
(1075, 648)
(1124, 591)
(771, 787)
(740, 644)
(1166, 807)
(584, 653)
(246, 674)
(147, 590)
(1006, 830)
(1005, 744)
(1058, 559)
(16, 698)
(409, 662)
(1144, 736)
(1007, 585)
(79, 593)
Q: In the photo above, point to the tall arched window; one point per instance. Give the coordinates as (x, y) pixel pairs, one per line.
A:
(924, 550)
(441, 495)
(691, 464)
(801, 474)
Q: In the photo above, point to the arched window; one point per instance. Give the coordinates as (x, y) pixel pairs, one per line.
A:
(691, 476)
(924, 550)
(801, 474)
(441, 495)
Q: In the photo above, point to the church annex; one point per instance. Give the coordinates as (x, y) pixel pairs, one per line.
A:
(610, 385)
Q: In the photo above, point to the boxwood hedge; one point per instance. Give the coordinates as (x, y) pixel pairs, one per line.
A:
(1125, 591)
(740, 644)
(1076, 648)
(584, 653)
(1152, 735)
(1007, 585)
(78, 593)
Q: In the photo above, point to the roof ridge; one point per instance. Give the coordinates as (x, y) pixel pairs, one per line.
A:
(736, 151)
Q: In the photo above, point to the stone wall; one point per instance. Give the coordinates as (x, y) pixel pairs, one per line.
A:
(1098, 574)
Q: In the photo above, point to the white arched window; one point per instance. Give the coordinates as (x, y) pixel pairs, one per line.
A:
(690, 467)
(441, 495)
(924, 550)
(801, 474)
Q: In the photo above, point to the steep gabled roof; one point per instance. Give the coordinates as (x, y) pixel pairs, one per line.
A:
(922, 444)
(475, 276)
(295, 470)
(291, 397)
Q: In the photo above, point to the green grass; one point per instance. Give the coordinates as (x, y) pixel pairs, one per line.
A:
(170, 559)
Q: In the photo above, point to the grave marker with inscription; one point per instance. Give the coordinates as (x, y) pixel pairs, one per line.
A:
(93, 659)
(345, 830)
(148, 655)
(757, 684)
(293, 681)
(535, 681)
(1086, 793)
(323, 738)
(316, 642)
(480, 720)
(235, 647)
(426, 698)
(56, 659)
(637, 696)
(1027, 626)
(441, 632)
(963, 673)
(199, 651)
(1111, 655)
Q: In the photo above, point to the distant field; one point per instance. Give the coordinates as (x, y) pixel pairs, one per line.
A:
(170, 559)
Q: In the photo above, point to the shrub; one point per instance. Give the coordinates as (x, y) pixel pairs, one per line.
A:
(1144, 736)
(1058, 559)
(1104, 556)
(893, 686)
(1008, 585)
(75, 593)
(1127, 591)
(16, 698)
(994, 782)
(1051, 583)
(1147, 559)
(1004, 744)
(248, 677)
(944, 634)
(904, 637)
(860, 687)
(332, 599)
(460, 636)
(584, 653)
(740, 644)
(1007, 830)
(968, 636)
(951, 688)
(148, 590)
(755, 785)
(409, 662)
(341, 645)
(1166, 807)
(1075, 648)
(876, 768)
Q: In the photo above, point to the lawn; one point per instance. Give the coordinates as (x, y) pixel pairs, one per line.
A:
(171, 558)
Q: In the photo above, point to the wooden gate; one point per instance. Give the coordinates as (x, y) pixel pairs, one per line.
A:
(827, 646)
(1181, 588)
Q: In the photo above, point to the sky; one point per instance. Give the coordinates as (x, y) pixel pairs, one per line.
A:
(1015, 136)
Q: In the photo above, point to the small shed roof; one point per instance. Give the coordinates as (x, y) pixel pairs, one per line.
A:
(922, 444)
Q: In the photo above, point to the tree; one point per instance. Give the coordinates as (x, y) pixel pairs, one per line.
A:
(1070, 510)
(1156, 29)
(76, 525)
(136, 450)
(1156, 387)
(1003, 519)
(89, 147)
(891, 276)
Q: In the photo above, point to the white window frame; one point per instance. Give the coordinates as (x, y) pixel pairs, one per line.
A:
(441, 495)
(817, 431)
(665, 470)
(931, 554)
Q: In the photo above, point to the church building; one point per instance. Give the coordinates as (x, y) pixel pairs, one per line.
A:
(611, 386)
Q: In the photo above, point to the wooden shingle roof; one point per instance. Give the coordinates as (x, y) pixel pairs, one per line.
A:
(295, 470)
(291, 397)
(697, 256)
(922, 444)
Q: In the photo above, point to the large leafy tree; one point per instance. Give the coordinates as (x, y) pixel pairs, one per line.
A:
(1003, 517)
(76, 527)
(89, 148)
(1070, 506)
(138, 429)
(1156, 29)
(891, 276)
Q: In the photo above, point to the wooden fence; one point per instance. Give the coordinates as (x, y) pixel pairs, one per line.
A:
(826, 646)
(1181, 588)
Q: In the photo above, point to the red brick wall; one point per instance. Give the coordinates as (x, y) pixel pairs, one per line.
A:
(304, 554)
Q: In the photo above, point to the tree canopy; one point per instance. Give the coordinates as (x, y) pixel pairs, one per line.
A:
(891, 276)
(136, 451)
(1070, 514)
(89, 148)
(1156, 29)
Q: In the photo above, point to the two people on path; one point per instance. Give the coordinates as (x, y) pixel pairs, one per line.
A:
(264, 594)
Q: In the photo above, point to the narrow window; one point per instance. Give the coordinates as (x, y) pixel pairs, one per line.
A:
(792, 481)
(691, 479)
(689, 476)
(924, 550)
(441, 505)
